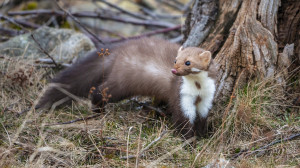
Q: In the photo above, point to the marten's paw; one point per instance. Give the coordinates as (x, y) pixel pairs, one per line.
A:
(97, 109)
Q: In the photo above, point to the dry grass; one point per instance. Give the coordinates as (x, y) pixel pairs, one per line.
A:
(260, 113)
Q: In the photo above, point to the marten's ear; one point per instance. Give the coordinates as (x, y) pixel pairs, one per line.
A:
(181, 48)
(206, 56)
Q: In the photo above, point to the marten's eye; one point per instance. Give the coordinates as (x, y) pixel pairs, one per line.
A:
(187, 63)
(175, 61)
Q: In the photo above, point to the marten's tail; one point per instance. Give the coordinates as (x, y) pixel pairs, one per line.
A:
(77, 80)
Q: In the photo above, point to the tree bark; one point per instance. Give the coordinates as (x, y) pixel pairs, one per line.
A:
(289, 27)
(199, 22)
(250, 48)
(247, 40)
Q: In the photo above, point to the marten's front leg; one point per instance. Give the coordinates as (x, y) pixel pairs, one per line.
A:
(200, 126)
(180, 123)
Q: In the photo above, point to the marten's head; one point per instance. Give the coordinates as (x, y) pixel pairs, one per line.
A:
(191, 60)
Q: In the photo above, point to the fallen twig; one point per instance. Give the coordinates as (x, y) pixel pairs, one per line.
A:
(113, 148)
(51, 65)
(48, 63)
(141, 153)
(76, 120)
(153, 142)
(159, 111)
(44, 51)
(23, 111)
(274, 142)
(265, 146)
(168, 154)
(44, 61)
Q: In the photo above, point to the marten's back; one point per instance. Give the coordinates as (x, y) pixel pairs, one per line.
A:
(143, 67)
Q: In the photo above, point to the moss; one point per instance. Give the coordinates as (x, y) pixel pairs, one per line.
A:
(30, 6)
(237, 150)
(65, 25)
(13, 26)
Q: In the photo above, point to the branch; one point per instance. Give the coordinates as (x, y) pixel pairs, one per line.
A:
(177, 39)
(20, 23)
(96, 15)
(170, 4)
(178, 5)
(10, 32)
(11, 20)
(126, 20)
(157, 15)
(77, 21)
(187, 6)
(123, 10)
(44, 51)
(110, 32)
(76, 120)
(27, 23)
(37, 12)
(274, 142)
(147, 34)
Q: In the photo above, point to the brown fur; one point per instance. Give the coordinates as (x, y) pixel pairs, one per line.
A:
(198, 85)
(136, 67)
(140, 70)
(198, 100)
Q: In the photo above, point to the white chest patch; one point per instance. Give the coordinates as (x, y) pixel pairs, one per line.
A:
(189, 92)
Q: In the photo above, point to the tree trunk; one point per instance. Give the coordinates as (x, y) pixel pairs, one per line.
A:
(247, 39)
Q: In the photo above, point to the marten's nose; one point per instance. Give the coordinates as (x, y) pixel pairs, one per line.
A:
(174, 71)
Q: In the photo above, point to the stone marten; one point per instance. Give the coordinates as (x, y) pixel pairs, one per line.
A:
(183, 78)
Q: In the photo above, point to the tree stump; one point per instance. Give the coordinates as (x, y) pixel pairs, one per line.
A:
(246, 39)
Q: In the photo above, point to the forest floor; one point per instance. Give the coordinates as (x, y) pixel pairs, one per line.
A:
(258, 126)
(254, 129)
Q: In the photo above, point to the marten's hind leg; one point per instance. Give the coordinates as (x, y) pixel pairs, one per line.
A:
(108, 92)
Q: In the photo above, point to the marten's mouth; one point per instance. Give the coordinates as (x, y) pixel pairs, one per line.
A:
(175, 72)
